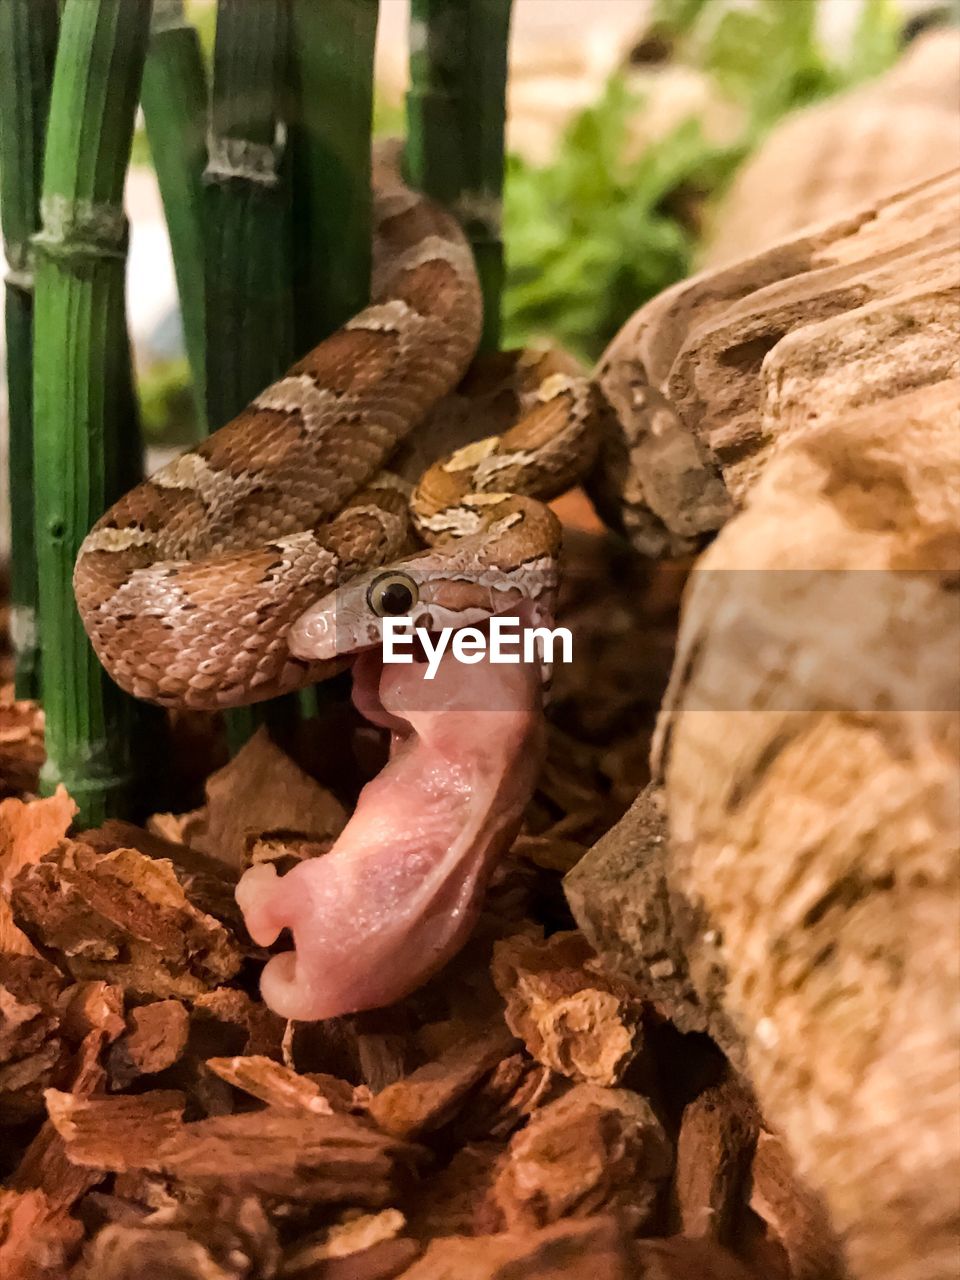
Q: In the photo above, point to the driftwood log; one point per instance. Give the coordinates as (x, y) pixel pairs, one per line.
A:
(790, 881)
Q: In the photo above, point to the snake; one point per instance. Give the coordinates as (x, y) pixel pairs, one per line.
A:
(257, 562)
(364, 485)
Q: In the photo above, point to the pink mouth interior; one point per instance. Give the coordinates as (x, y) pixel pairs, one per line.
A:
(398, 893)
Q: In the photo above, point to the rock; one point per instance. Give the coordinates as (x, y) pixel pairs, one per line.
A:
(794, 1216)
(621, 896)
(712, 374)
(803, 881)
(811, 762)
(858, 146)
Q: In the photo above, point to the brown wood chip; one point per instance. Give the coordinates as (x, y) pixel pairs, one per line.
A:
(430, 1095)
(207, 881)
(132, 1252)
(205, 1238)
(515, 1088)
(261, 791)
(280, 1087)
(115, 1133)
(718, 1133)
(123, 917)
(21, 743)
(591, 1149)
(311, 1158)
(27, 832)
(37, 1239)
(36, 1227)
(92, 1006)
(597, 1248)
(384, 1261)
(368, 1247)
(680, 1259)
(572, 1017)
(795, 1214)
(302, 1157)
(155, 1039)
(261, 1030)
(32, 1051)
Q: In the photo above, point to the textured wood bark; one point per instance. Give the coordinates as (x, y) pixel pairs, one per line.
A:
(810, 748)
(712, 373)
(718, 1135)
(806, 870)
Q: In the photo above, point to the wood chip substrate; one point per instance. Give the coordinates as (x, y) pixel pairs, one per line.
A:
(527, 1114)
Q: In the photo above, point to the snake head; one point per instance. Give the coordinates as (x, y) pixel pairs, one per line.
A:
(456, 586)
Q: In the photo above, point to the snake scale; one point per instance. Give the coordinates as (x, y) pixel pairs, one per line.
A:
(195, 587)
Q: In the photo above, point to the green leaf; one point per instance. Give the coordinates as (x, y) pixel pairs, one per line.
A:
(596, 232)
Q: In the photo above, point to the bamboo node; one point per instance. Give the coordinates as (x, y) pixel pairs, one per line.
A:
(168, 15)
(19, 265)
(480, 208)
(254, 162)
(81, 228)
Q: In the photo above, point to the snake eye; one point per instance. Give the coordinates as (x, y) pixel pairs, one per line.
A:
(392, 595)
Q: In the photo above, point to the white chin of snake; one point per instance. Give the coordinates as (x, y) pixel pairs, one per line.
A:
(399, 892)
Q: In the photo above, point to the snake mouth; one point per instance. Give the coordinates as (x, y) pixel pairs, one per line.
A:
(398, 893)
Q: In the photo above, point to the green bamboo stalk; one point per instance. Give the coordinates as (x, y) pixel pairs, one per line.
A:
(174, 100)
(331, 111)
(249, 313)
(85, 446)
(28, 45)
(455, 124)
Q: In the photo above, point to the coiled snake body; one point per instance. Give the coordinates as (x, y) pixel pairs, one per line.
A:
(195, 587)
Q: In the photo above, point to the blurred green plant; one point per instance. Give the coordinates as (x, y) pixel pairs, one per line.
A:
(770, 58)
(168, 409)
(599, 230)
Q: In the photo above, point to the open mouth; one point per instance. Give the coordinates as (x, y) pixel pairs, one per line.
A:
(398, 893)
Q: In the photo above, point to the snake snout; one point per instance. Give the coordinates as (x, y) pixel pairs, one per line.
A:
(313, 636)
